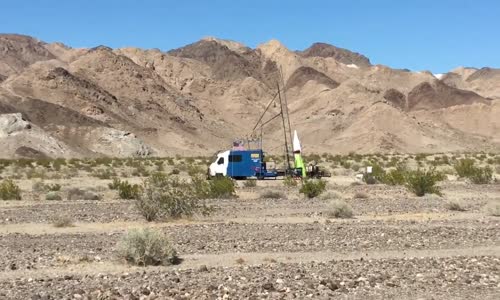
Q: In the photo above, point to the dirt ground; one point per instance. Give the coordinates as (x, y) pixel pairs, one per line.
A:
(397, 246)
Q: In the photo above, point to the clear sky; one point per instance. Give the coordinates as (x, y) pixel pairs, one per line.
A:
(435, 35)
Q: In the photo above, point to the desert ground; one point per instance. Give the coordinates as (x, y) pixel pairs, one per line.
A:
(395, 246)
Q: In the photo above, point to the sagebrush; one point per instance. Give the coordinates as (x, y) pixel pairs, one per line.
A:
(144, 247)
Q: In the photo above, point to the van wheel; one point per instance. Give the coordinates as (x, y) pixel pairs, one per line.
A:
(219, 175)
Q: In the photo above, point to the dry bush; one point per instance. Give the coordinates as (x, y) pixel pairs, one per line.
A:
(330, 196)
(340, 210)
(53, 196)
(454, 205)
(82, 194)
(360, 195)
(172, 197)
(144, 247)
(272, 195)
(62, 221)
(250, 183)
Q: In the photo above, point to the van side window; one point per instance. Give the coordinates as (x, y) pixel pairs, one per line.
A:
(235, 158)
(220, 161)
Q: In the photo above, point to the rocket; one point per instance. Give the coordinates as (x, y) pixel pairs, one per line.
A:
(297, 154)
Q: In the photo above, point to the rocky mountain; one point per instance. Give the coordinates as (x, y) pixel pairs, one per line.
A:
(196, 99)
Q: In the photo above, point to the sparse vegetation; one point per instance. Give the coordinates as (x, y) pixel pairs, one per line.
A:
(221, 187)
(272, 195)
(144, 247)
(62, 221)
(289, 181)
(421, 182)
(172, 197)
(361, 195)
(53, 196)
(340, 210)
(312, 188)
(128, 191)
(250, 183)
(454, 206)
(465, 168)
(9, 190)
(82, 194)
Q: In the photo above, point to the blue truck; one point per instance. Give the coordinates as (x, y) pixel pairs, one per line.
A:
(241, 164)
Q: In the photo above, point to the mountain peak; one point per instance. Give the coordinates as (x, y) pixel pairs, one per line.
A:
(342, 55)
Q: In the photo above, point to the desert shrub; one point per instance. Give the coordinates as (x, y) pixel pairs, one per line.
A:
(454, 205)
(289, 181)
(422, 182)
(250, 183)
(221, 187)
(81, 194)
(194, 170)
(62, 221)
(376, 176)
(272, 195)
(340, 209)
(396, 176)
(144, 247)
(312, 188)
(493, 208)
(53, 187)
(53, 195)
(171, 197)
(481, 175)
(175, 172)
(329, 196)
(360, 195)
(464, 167)
(128, 191)
(104, 173)
(115, 184)
(9, 190)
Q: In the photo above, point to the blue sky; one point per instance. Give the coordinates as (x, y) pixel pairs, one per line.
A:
(435, 35)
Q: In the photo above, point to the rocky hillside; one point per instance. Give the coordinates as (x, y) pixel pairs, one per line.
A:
(196, 99)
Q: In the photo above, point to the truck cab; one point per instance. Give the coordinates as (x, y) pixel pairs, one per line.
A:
(240, 164)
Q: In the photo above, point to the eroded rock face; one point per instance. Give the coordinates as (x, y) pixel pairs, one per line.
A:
(113, 142)
(12, 124)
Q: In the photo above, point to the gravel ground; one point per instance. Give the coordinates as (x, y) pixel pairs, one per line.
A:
(49, 263)
(24, 251)
(416, 278)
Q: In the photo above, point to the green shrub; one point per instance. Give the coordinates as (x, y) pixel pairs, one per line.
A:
(376, 176)
(175, 172)
(481, 175)
(169, 196)
(9, 190)
(52, 195)
(250, 183)
(146, 247)
(104, 174)
(312, 188)
(396, 176)
(340, 209)
(465, 168)
(115, 184)
(221, 187)
(422, 182)
(272, 195)
(128, 191)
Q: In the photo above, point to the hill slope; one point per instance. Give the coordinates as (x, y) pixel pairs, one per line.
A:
(196, 99)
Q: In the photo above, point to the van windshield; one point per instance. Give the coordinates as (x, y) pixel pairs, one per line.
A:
(220, 161)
